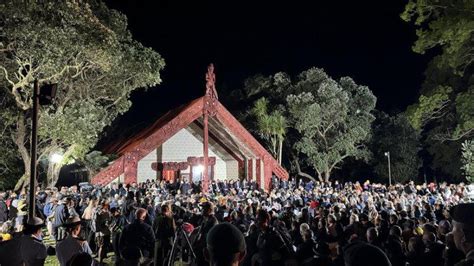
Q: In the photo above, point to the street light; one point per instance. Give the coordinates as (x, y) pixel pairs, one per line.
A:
(387, 154)
(56, 158)
(41, 96)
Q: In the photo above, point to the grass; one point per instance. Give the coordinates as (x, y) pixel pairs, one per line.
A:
(53, 260)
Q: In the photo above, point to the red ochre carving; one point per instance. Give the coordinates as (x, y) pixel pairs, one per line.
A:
(164, 128)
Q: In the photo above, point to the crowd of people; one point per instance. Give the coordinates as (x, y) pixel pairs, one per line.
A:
(236, 223)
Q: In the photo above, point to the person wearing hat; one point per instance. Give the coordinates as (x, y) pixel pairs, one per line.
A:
(27, 249)
(463, 231)
(73, 244)
(225, 245)
(61, 214)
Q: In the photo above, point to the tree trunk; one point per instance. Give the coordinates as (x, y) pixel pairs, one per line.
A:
(320, 177)
(300, 173)
(19, 140)
(280, 150)
(326, 176)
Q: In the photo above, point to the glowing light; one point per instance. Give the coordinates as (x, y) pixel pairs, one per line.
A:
(56, 158)
(199, 169)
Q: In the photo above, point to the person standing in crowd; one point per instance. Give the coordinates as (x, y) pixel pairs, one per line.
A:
(340, 214)
(27, 250)
(208, 220)
(269, 243)
(164, 228)
(463, 231)
(60, 216)
(102, 220)
(73, 244)
(137, 241)
(88, 216)
(49, 213)
(118, 224)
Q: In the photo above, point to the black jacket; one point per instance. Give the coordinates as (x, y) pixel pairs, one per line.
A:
(137, 235)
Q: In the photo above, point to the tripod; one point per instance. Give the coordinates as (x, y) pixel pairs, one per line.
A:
(179, 235)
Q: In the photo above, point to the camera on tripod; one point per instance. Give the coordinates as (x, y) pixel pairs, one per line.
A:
(182, 252)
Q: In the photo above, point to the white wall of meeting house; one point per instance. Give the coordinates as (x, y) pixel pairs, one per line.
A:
(184, 144)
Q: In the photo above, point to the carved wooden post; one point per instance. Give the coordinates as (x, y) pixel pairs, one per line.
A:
(205, 176)
(209, 109)
(267, 174)
(258, 167)
(250, 170)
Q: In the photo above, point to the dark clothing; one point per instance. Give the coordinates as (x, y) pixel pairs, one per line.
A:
(395, 251)
(270, 247)
(205, 225)
(164, 230)
(60, 215)
(137, 235)
(3, 211)
(434, 254)
(304, 251)
(452, 256)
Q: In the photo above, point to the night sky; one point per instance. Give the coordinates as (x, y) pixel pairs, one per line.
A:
(365, 40)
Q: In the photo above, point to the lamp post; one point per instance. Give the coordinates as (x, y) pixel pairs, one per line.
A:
(43, 96)
(387, 154)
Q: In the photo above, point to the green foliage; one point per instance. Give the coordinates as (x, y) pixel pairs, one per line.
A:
(296, 109)
(395, 135)
(448, 24)
(468, 160)
(465, 113)
(333, 119)
(444, 112)
(271, 126)
(87, 49)
(448, 88)
(429, 107)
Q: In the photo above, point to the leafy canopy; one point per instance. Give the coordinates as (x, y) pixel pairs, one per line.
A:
(87, 49)
(333, 119)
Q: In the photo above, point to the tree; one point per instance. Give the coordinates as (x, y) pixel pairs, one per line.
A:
(468, 160)
(333, 119)
(86, 48)
(448, 89)
(444, 112)
(271, 127)
(396, 135)
(447, 24)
